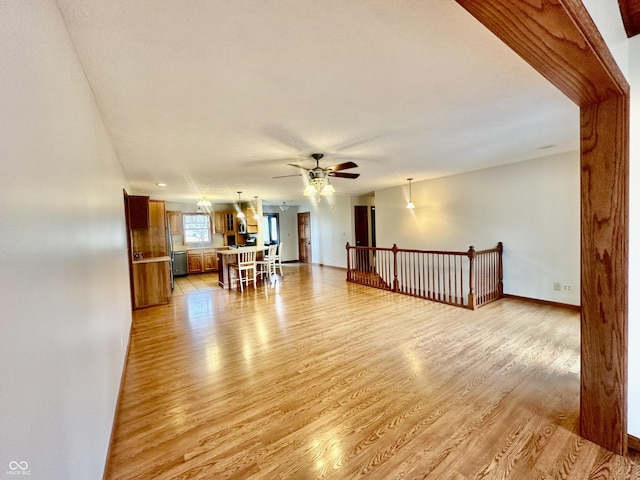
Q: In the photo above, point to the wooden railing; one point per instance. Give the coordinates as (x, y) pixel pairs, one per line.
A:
(466, 279)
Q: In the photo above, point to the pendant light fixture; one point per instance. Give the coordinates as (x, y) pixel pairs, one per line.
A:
(203, 202)
(410, 205)
(240, 213)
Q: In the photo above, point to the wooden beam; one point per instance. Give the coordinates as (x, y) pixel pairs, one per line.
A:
(630, 11)
(559, 39)
(604, 172)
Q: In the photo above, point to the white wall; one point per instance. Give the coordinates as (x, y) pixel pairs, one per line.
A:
(63, 270)
(288, 230)
(331, 229)
(532, 207)
(606, 15)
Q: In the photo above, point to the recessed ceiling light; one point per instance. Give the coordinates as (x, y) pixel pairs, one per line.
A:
(161, 184)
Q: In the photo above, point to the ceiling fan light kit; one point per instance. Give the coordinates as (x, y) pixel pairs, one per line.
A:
(318, 177)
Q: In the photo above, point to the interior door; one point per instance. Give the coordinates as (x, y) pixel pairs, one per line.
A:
(362, 225)
(361, 216)
(304, 237)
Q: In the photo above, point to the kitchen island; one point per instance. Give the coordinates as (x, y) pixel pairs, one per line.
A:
(229, 257)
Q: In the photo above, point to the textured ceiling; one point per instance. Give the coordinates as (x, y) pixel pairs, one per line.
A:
(214, 96)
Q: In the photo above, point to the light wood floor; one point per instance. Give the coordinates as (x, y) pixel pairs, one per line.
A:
(312, 377)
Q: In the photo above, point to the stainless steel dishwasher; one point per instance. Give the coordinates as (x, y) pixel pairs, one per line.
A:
(179, 264)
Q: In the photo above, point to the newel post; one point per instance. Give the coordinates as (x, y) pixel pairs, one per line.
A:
(472, 278)
(394, 249)
(500, 285)
(348, 263)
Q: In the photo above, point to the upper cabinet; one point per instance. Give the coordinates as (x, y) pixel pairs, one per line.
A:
(219, 222)
(252, 221)
(175, 222)
(138, 212)
(151, 242)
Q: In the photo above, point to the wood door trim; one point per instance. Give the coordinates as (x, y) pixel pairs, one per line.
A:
(630, 10)
(559, 39)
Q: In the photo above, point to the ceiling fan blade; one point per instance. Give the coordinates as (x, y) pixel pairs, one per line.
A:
(285, 176)
(342, 166)
(297, 166)
(344, 175)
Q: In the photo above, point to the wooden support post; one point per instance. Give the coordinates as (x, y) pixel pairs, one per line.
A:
(500, 285)
(348, 262)
(394, 249)
(472, 278)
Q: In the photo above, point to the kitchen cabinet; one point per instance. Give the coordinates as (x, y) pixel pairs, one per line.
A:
(252, 221)
(152, 282)
(175, 222)
(138, 211)
(204, 260)
(152, 241)
(194, 261)
(219, 222)
(210, 260)
(230, 222)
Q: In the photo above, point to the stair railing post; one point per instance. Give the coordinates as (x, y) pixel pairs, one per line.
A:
(472, 278)
(500, 285)
(348, 262)
(394, 249)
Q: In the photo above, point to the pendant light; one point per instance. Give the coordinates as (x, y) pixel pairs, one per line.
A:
(410, 205)
(203, 202)
(240, 213)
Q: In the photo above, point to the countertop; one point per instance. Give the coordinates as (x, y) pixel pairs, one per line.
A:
(235, 251)
(184, 248)
(152, 260)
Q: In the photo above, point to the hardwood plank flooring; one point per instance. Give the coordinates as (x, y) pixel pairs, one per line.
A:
(311, 377)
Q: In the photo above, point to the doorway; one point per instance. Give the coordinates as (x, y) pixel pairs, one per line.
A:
(361, 220)
(304, 237)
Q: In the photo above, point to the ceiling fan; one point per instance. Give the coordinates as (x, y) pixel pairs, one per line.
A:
(319, 172)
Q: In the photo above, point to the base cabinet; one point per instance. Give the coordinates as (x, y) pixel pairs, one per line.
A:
(194, 262)
(210, 260)
(152, 283)
(202, 260)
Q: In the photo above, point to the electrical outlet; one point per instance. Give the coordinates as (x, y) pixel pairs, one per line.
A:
(557, 286)
(566, 287)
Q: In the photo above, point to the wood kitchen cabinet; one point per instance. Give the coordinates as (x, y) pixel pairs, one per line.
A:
(210, 260)
(252, 221)
(219, 222)
(152, 241)
(152, 283)
(194, 261)
(205, 260)
(175, 222)
(138, 211)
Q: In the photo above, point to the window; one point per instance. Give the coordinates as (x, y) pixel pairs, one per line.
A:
(270, 228)
(197, 228)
